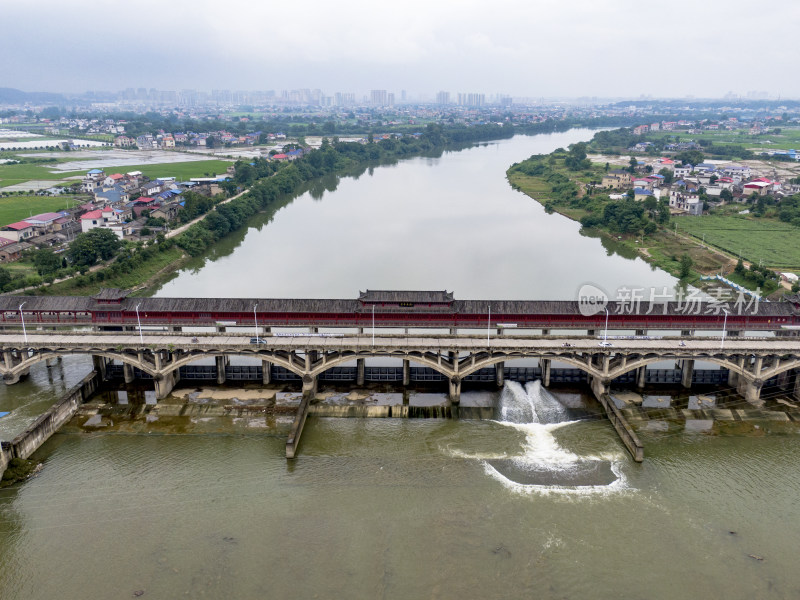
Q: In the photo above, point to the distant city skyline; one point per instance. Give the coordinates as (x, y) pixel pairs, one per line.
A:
(541, 49)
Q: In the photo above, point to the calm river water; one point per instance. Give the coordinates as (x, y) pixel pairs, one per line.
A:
(539, 503)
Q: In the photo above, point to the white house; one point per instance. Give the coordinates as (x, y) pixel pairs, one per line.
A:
(104, 217)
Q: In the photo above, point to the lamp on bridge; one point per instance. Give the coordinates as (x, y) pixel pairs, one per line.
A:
(255, 320)
(141, 339)
(724, 325)
(22, 316)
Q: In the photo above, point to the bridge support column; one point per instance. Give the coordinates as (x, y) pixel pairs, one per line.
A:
(783, 381)
(500, 373)
(732, 378)
(127, 372)
(687, 370)
(599, 387)
(9, 379)
(222, 362)
(8, 359)
(641, 377)
(545, 363)
(361, 369)
(50, 362)
(752, 392)
(266, 372)
(797, 385)
(309, 386)
(455, 390)
(99, 363)
(165, 383)
(406, 372)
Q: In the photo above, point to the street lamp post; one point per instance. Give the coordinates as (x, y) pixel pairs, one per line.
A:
(373, 325)
(489, 325)
(605, 333)
(22, 316)
(255, 320)
(139, 321)
(724, 325)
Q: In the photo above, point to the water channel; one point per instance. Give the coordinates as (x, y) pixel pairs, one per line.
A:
(540, 502)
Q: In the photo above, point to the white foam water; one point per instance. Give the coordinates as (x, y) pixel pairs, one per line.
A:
(534, 411)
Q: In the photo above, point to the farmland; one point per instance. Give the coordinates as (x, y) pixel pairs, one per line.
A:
(756, 240)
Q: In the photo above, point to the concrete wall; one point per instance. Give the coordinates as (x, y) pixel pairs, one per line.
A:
(5, 456)
(27, 442)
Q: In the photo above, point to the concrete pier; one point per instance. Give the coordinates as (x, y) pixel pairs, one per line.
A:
(38, 432)
(293, 440)
(620, 423)
(500, 374)
(164, 384)
(99, 363)
(545, 365)
(455, 390)
(222, 362)
(797, 385)
(641, 377)
(361, 367)
(406, 373)
(266, 372)
(687, 370)
(127, 372)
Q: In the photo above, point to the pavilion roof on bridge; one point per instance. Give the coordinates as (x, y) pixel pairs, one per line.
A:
(405, 296)
(111, 295)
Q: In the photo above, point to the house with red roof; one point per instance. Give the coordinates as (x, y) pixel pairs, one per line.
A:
(19, 231)
(112, 218)
(113, 179)
(761, 188)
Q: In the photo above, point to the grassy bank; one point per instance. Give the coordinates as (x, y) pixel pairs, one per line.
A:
(140, 277)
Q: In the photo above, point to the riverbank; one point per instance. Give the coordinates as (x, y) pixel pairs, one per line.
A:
(644, 229)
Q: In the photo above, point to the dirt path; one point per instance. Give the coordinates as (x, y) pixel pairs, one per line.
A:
(183, 228)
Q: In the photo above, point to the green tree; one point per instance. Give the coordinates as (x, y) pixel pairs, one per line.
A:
(686, 263)
(97, 244)
(667, 174)
(690, 157)
(46, 262)
(5, 277)
(726, 195)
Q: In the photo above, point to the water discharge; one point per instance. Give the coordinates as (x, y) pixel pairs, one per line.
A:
(545, 467)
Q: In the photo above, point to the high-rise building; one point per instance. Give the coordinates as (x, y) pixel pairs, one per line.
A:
(379, 98)
(443, 98)
(344, 98)
(472, 100)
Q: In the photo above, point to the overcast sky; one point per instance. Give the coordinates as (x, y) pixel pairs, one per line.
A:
(534, 48)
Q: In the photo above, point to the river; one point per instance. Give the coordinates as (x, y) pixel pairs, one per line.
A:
(541, 502)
